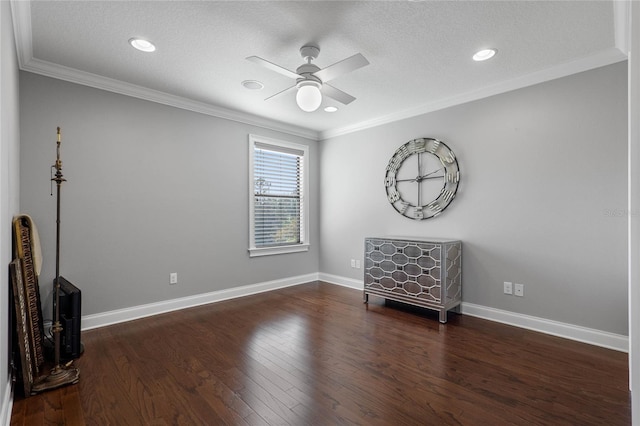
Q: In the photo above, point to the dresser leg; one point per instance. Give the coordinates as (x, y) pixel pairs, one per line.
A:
(443, 316)
(365, 297)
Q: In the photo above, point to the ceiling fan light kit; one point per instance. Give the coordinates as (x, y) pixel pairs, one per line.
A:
(309, 96)
(311, 80)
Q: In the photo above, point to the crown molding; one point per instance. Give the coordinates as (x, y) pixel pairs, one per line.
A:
(72, 75)
(21, 15)
(602, 58)
(622, 25)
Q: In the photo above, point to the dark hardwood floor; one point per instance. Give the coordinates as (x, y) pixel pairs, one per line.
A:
(315, 355)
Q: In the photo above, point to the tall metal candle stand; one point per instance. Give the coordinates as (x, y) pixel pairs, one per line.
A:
(60, 375)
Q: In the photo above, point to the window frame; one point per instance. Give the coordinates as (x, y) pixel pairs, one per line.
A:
(303, 245)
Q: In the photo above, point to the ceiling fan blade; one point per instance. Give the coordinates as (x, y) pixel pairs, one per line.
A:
(280, 92)
(273, 67)
(337, 94)
(352, 63)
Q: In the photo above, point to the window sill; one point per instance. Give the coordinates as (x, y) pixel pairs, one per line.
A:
(267, 251)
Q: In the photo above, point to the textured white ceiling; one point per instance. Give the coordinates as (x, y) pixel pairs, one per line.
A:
(419, 51)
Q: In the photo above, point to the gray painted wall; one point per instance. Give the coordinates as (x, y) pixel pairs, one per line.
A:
(9, 185)
(151, 190)
(543, 197)
(154, 189)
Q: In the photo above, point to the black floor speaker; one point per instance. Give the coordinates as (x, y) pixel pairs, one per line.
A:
(70, 312)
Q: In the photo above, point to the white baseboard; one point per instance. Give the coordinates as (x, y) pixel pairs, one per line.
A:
(592, 336)
(135, 312)
(568, 331)
(7, 404)
(605, 339)
(343, 281)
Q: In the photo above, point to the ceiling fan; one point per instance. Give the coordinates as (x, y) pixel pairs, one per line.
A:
(311, 81)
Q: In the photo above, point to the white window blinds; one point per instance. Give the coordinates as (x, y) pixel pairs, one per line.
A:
(278, 196)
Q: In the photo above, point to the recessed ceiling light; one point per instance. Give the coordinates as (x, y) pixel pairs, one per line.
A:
(142, 45)
(330, 109)
(485, 54)
(252, 85)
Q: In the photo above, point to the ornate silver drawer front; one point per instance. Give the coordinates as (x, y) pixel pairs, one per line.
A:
(421, 272)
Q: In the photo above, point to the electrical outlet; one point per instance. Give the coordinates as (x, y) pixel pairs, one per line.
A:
(353, 263)
(358, 263)
(519, 290)
(173, 278)
(508, 288)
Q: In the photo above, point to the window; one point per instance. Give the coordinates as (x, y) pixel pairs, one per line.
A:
(278, 196)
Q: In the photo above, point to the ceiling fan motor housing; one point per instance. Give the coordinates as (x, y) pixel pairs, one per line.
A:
(309, 52)
(306, 71)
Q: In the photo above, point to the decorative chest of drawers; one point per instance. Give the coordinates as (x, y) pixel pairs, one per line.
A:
(421, 272)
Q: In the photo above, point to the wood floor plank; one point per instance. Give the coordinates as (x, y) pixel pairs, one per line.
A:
(18, 413)
(132, 373)
(314, 354)
(200, 380)
(72, 407)
(31, 415)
